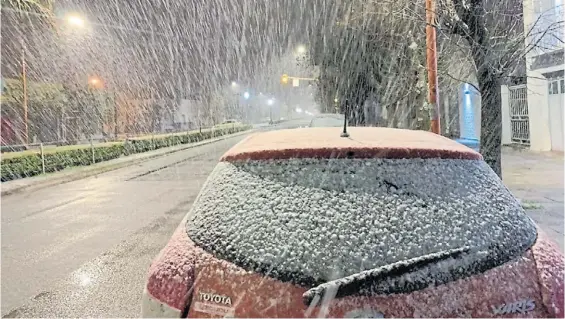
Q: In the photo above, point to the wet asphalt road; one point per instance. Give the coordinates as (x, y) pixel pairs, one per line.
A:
(82, 249)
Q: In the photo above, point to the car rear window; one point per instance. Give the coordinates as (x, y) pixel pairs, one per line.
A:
(310, 221)
(326, 122)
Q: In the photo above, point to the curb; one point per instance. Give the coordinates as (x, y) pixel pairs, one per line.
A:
(95, 170)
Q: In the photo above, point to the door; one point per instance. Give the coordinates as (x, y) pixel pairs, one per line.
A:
(519, 117)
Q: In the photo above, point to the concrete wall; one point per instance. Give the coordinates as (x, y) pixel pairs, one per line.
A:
(538, 111)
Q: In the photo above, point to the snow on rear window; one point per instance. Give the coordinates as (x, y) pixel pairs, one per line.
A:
(328, 218)
(326, 122)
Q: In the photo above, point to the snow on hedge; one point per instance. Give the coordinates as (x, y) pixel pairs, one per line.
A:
(330, 218)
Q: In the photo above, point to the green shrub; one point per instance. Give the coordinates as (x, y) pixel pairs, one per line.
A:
(20, 167)
(30, 164)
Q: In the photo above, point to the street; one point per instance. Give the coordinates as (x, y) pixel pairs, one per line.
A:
(82, 249)
(537, 180)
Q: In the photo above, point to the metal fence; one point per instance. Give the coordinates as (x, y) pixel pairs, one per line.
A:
(519, 118)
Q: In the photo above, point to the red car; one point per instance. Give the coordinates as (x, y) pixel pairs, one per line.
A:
(385, 223)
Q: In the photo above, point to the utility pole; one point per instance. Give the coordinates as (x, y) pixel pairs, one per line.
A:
(431, 61)
(24, 91)
(115, 116)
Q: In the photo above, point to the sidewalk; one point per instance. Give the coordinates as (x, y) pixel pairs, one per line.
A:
(537, 180)
(80, 172)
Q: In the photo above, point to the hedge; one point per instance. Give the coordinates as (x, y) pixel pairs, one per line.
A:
(30, 165)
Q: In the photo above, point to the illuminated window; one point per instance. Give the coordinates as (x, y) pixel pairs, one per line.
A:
(468, 128)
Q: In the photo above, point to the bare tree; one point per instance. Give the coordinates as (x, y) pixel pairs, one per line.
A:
(495, 38)
(377, 47)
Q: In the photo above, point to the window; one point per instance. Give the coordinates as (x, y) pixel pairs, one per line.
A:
(562, 81)
(326, 122)
(286, 220)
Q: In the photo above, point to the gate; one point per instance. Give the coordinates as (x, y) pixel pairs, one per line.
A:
(519, 119)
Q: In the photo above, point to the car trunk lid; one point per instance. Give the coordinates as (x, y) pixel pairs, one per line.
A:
(509, 290)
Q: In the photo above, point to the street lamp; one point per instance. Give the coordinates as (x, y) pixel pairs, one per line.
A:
(301, 49)
(270, 102)
(245, 113)
(95, 82)
(75, 20)
(233, 84)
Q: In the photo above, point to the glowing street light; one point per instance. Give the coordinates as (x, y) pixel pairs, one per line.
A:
(76, 20)
(301, 49)
(246, 95)
(233, 84)
(271, 102)
(95, 82)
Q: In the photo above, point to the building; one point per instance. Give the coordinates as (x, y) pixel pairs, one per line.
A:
(533, 113)
(184, 117)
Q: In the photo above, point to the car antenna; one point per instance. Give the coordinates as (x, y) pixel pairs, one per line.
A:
(344, 133)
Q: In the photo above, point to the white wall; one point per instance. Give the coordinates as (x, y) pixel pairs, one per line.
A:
(538, 111)
(184, 117)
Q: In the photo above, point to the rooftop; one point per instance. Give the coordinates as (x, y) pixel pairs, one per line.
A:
(364, 142)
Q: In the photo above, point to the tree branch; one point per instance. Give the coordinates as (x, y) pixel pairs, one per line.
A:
(462, 11)
(455, 26)
(460, 80)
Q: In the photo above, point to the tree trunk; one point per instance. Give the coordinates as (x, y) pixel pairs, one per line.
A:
(491, 121)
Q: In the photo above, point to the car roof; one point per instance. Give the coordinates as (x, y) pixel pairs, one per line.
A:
(363, 142)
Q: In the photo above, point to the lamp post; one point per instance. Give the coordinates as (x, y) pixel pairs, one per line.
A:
(246, 96)
(270, 102)
(24, 93)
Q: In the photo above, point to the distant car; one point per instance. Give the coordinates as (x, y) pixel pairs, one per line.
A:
(385, 223)
(231, 121)
(327, 120)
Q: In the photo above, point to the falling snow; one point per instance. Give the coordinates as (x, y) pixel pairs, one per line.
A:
(87, 83)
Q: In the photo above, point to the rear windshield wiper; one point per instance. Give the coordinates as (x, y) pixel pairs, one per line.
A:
(352, 284)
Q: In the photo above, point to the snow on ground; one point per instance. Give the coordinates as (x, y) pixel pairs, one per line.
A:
(330, 218)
